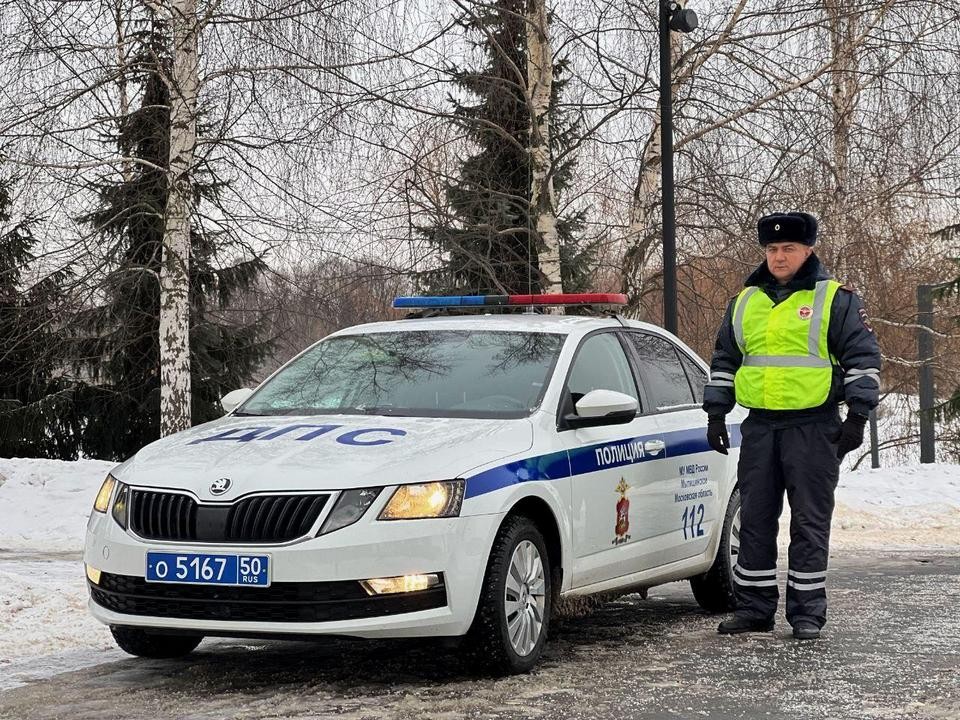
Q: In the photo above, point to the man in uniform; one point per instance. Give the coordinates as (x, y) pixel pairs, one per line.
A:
(793, 344)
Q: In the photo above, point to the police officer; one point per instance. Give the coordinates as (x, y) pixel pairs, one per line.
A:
(793, 344)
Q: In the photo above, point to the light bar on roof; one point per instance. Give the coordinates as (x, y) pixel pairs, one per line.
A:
(480, 301)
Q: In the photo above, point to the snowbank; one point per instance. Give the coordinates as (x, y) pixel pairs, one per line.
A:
(906, 505)
(44, 504)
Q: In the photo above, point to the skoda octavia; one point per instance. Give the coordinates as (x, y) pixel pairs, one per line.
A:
(448, 475)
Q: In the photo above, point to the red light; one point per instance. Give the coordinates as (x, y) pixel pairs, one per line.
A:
(569, 299)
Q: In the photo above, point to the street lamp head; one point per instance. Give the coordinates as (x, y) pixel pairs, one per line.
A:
(682, 19)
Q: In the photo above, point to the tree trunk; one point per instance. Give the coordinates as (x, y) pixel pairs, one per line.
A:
(639, 236)
(122, 76)
(175, 264)
(843, 21)
(542, 196)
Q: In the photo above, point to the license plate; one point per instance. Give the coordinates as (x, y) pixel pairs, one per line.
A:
(208, 569)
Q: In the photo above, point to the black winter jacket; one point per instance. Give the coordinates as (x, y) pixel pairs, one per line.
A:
(849, 338)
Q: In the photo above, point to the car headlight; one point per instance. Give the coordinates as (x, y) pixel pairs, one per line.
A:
(425, 500)
(350, 507)
(103, 497)
(121, 505)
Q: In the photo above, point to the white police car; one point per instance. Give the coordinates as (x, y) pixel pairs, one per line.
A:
(440, 476)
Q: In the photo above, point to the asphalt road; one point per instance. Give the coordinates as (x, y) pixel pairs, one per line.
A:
(890, 651)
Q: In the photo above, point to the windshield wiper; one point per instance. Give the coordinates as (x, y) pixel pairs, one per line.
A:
(386, 411)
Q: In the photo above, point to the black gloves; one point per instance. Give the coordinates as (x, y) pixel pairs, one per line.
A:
(717, 433)
(850, 435)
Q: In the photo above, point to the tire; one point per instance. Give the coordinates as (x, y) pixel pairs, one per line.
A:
(714, 589)
(488, 641)
(143, 644)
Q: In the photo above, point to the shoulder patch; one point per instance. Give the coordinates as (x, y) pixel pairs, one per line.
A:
(865, 320)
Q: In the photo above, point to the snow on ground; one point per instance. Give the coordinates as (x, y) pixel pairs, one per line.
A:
(44, 505)
(906, 505)
(44, 619)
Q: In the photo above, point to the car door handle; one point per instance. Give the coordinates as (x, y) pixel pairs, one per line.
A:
(654, 446)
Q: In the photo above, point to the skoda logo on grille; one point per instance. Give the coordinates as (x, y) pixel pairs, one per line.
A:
(219, 487)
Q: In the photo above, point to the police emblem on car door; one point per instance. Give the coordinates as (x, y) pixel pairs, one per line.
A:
(622, 526)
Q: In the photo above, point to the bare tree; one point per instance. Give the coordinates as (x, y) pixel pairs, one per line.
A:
(175, 264)
(539, 93)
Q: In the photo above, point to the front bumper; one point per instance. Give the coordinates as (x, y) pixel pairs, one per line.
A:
(314, 583)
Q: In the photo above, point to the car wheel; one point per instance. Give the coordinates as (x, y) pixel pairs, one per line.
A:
(143, 644)
(510, 627)
(714, 589)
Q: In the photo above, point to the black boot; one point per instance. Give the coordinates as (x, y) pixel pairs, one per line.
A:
(806, 630)
(741, 624)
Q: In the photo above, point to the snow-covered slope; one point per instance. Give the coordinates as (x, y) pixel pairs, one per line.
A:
(891, 507)
(44, 504)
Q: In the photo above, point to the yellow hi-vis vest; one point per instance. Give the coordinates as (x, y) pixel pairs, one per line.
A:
(786, 363)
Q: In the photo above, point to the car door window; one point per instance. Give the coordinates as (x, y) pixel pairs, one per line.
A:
(601, 364)
(695, 374)
(662, 374)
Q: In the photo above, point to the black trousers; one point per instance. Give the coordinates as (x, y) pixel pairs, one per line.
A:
(801, 460)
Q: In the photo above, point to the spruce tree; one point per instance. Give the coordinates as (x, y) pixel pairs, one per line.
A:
(36, 413)
(16, 241)
(120, 348)
(487, 239)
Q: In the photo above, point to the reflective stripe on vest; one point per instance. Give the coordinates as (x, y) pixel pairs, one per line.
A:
(786, 361)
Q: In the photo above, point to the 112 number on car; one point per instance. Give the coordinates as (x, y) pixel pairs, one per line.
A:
(693, 521)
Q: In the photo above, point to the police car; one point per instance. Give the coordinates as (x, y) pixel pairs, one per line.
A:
(448, 476)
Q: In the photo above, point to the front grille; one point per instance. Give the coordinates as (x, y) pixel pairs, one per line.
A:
(281, 602)
(163, 516)
(156, 515)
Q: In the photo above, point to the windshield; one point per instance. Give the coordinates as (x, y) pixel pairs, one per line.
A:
(417, 373)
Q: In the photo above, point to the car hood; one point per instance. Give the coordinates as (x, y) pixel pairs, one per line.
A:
(329, 452)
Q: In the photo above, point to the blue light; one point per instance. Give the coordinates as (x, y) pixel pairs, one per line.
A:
(428, 301)
(422, 302)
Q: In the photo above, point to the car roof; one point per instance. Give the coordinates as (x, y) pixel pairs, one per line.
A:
(529, 322)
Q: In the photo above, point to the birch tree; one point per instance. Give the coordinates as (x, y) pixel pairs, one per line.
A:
(184, 83)
(539, 93)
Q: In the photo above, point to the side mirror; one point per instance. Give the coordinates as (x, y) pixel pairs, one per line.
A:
(233, 398)
(602, 407)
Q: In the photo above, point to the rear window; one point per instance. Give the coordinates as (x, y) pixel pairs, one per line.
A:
(477, 374)
(661, 372)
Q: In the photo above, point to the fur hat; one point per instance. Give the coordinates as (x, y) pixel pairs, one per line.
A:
(798, 227)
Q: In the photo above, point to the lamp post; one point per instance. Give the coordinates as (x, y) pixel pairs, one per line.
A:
(672, 17)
